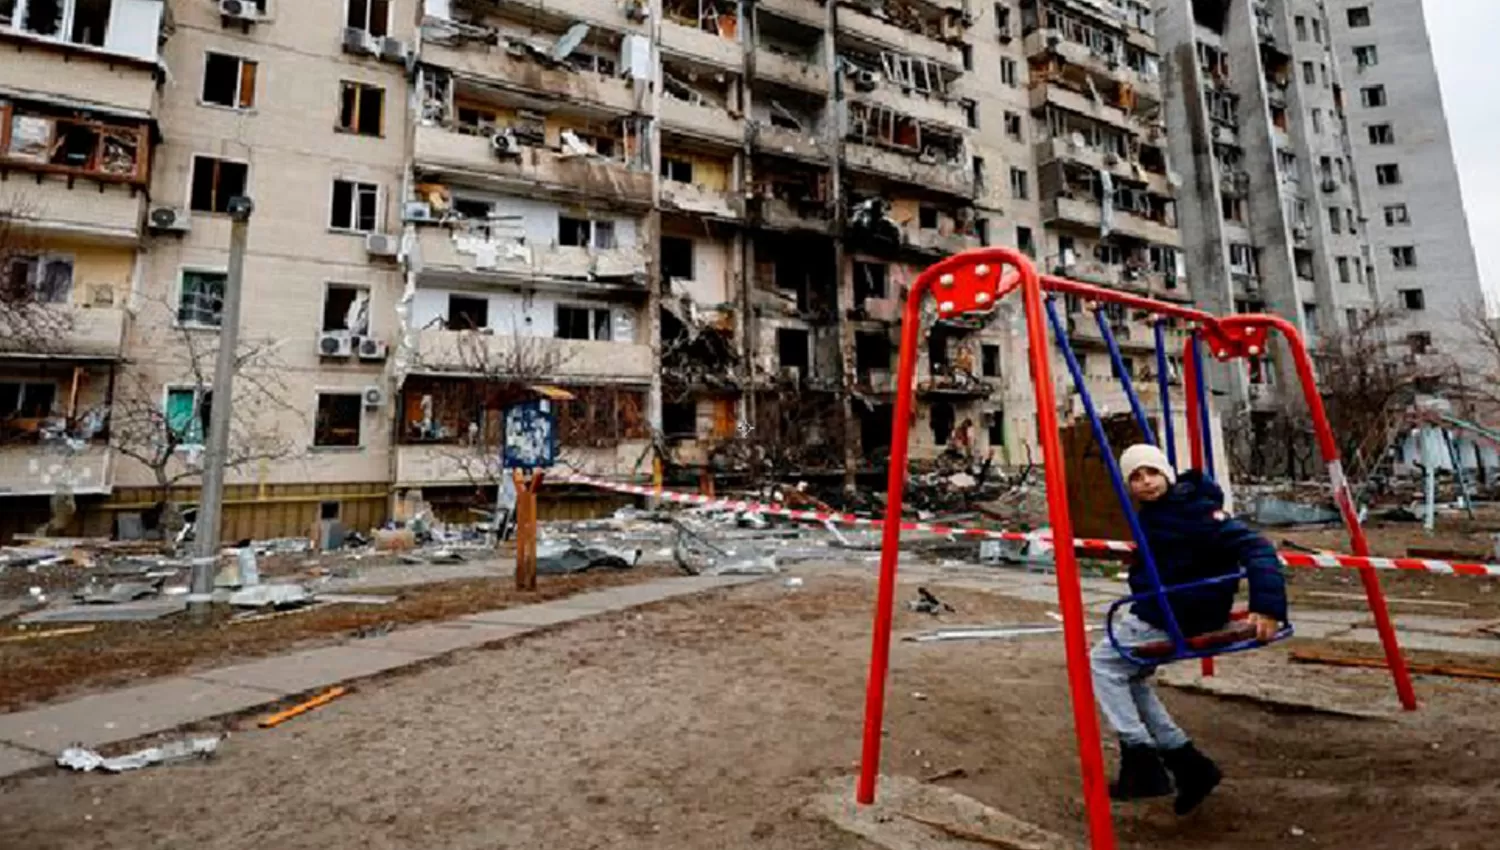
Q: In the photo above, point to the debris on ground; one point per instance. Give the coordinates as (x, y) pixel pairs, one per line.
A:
(984, 633)
(270, 595)
(571, 555)
(302, 708)
(926, 603)
(87, 761)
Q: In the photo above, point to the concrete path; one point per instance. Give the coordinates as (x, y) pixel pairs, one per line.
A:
(33, 738)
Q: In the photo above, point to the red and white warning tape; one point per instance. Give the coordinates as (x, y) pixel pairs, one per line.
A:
(1290, 559)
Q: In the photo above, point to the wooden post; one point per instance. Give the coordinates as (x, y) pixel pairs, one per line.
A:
(526, 528)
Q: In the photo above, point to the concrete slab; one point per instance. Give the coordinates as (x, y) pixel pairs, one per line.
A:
(152, 609)
(628, 596)
(1347, 618)
(13, 760)
(545, 614)
(1317, 630)
(435, 640)
(911, 815)
(121, 715)
(1440, 625)
(1435, 643)
(304, 671)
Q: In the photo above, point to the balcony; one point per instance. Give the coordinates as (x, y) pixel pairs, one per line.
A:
(810, 12)
(795, 72)
(577, 360)
(33, 469)
(691, 198)
(73, 333)
(95, 212)
(534, 169)
(778, 214)
(938, 242)
(610, 15)
(81, 75)
(931, 109)
(1043, 41)
(951, 177)
(496, 67)
(722, 51)
(702, 121)
(1050, 150)
(954, 386)
(446, 252)
(1044, 94)
(1088, 213)
(798, 144)
(857, 23)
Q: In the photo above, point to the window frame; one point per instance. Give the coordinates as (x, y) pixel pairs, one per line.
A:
(193, 179)
(353, 229)
(359, 419)
(182, 273)
(239, 82)
(593, 312)
(36, 262)
(353, 129)
(369, 16)
(184, 444)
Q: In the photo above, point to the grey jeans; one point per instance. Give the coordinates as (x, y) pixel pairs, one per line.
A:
(1125, 695)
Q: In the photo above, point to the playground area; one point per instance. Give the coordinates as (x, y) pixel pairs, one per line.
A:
(712, 721)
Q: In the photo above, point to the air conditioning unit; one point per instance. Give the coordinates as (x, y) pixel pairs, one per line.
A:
(335, 344)
(393, 50)
(417, 211)
(240, 11)
(371, 348)
(169, 219)
(504, 143)
(374, 397)
(865, 80)
(382, 244)
(358, 42)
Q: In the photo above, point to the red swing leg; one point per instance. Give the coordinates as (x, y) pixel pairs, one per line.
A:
(1195, 440)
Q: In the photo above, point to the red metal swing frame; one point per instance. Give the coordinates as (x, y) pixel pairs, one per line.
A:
(974, 282)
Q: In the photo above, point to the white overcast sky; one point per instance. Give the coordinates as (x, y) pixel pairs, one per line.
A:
(1468, 63)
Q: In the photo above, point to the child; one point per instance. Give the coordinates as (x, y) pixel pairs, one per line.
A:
(1191, 538)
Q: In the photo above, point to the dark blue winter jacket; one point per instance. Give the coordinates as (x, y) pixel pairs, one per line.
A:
(1192, 538)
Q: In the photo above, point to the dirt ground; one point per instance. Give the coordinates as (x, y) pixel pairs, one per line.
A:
(119, 653)
(708, 722)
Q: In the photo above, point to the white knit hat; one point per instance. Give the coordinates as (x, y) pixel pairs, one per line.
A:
(1142, 454)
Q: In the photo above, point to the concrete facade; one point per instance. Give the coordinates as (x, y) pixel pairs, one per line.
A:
(1396, 117)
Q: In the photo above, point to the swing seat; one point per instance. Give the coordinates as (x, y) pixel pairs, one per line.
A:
(1237, 630)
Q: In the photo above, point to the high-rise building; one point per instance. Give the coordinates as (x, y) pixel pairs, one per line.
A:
(1418, 233)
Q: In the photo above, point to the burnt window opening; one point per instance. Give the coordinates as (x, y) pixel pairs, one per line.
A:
(940, 416)
(996, 428)
(793, 350)
(875, 428)
(676, 258)
(938, 362)
(588, 323)
(338, 420)
(361, 109)
(229, 81)
(870, 281)
(337, 300)
(215, 181)
(467, 313)
(872, 352)
(989, 360)
(679, 419)
(927, 218)
(794, 277)
(677, 169)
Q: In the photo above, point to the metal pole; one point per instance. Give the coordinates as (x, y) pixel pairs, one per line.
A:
(210, 506)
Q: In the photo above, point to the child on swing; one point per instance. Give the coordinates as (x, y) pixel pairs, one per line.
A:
(1191, 538)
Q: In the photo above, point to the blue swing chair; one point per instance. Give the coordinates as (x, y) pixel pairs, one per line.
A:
(1238, 635)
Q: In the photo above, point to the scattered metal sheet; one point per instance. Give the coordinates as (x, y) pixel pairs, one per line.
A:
(356, 599)
(148, 609)
(264, 595)
(78, 758)
(571, 555)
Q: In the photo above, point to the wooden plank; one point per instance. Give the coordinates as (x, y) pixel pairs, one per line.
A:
(1451, 671)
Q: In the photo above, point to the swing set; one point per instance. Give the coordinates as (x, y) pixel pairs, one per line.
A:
(974, 282)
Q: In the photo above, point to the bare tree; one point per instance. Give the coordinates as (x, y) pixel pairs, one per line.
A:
(1477, 382)
(35, 314)
(164, 430)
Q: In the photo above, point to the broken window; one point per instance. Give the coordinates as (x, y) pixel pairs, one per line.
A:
(339, 303)
(677, 258)
(1008, 71)
(590, 323)
(1343, 266)
(1013, 126)
(46, 279)
(870, 281)
(1359, 16)
(927, 218)
(1382, 134)
(215, 182)
(468, 313)
(372, 16)
(679, 419)
(361, 109)
(1025, 241)
(677, 169)
(1404, 256)
(43, 17)
(338, 420)
(872, 352)
(1335, 219)
(971, 114)
(1388, 175)
(187, 413)
(989, 360)
(584, 233)
(200, 299)
(793, 350)
(26, 399)
(1396, 214)
(229, 81)
(941, 417)
(1372, 96)
(355, 206)
(1365, 56)
(1412, 299)
(1018, 184)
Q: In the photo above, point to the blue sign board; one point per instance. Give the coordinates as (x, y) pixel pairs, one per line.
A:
(530, 436)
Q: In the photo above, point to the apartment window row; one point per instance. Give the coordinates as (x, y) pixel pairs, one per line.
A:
(338, 422)
(354, 206)
(229, 82)
(78, 22)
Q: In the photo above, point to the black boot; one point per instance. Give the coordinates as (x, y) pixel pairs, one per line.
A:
(1141, 774)
(1195, 773)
